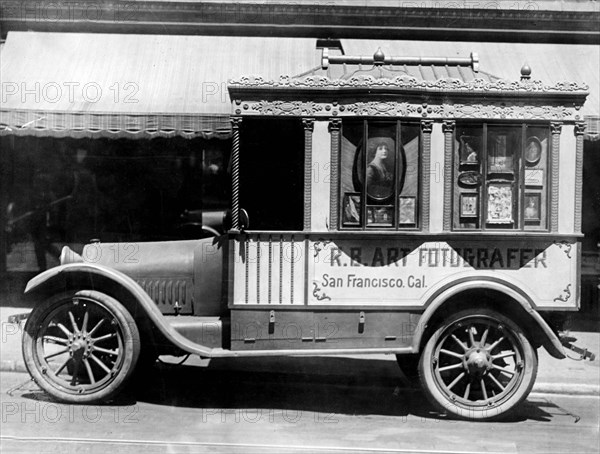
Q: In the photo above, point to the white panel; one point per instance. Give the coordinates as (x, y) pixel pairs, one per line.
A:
(239, 275)
(436, 205)
(320, 177)
(566, 181)
(251, 258)
(275, 271)
(286, 267)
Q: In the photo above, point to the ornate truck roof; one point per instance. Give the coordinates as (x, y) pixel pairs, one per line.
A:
(407, 87)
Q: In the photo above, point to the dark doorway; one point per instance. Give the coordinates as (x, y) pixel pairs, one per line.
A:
(272, 173)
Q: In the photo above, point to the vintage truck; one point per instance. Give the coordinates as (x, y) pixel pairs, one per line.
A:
(417, 207)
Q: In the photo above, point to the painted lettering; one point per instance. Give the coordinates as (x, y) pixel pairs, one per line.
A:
(355, 254)
(540, 258)
(377, 257)
(482, 258)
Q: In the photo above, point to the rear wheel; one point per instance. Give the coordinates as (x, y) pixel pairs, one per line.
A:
(81, 347)
(478, 365)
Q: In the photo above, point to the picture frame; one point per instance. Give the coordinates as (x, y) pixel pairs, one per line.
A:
(533, 150)
(351, 209)
(534, 177)
(470, 150)
(532, 211)
(469, 205)
(500, 203)
(407, 211)
(380, 215)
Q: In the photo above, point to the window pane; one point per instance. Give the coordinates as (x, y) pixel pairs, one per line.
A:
(351, 199)
(409, 180)
(535, 156)
(503, 152)
(469, 155)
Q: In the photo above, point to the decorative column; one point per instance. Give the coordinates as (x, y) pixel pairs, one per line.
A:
(555, 129)
(579, 131)
(235, 174)
(309, 124)
(448, 130)
(335, 125)
(426, 128)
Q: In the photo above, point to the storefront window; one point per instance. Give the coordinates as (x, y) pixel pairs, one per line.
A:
(69, 191)
(501, 177)
(379, 175)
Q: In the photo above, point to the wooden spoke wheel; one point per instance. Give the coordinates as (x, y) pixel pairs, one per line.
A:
(478, 365)
(81, 347)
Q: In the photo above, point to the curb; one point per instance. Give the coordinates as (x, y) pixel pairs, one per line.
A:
(12, 366)
(570, 389)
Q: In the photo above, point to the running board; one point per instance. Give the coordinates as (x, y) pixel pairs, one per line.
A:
(207, 333)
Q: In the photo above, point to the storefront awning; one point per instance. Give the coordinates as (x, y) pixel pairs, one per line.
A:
(108, 85)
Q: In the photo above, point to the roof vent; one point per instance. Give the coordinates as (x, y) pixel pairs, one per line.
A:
(379, 59)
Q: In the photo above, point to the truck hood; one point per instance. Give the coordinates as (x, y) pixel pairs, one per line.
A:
(182, 277)
(154, 259)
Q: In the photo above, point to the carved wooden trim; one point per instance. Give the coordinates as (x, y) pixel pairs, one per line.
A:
(555, 129)
(406, 82)
(448, 130)
(308, 124)
(439, 109)
(335, 125)
(579, 134)
(426, 128)
(235, 173)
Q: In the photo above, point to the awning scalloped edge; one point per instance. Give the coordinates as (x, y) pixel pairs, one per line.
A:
(113, 125)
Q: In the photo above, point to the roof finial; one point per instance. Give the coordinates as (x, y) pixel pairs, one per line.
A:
(525, 72)
(378, 57)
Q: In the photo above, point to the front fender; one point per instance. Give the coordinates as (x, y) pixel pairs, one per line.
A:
(76, 272)
(552, 343)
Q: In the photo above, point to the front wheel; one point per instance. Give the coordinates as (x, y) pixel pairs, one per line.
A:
(478, 365)
(81, 346)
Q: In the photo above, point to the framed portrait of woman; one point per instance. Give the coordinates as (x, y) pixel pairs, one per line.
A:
(532, 206)
(381, 168)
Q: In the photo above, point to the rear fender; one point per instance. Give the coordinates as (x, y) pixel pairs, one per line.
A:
(548, 338)
(98, 277)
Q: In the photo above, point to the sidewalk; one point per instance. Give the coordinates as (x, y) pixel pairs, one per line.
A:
(554, 376)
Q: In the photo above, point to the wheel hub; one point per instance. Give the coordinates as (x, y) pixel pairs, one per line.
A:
(79, 349)
(477, 361)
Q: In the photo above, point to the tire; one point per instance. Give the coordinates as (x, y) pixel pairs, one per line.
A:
(81, 346)
(478, 365)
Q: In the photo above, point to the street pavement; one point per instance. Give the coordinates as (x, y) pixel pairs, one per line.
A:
(189, 409)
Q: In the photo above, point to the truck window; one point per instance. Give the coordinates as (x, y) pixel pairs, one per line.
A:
(501, 177)
(272, 173)
(379, 175)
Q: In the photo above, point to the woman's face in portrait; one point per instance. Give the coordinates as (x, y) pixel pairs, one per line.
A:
(381, 152)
